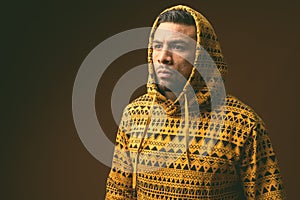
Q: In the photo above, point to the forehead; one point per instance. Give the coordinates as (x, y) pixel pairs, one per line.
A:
(169, 30)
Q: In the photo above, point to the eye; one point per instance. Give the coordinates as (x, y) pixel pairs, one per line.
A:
(178, 47)
(157, 46)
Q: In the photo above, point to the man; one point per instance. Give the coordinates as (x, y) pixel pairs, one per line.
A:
(184, 139)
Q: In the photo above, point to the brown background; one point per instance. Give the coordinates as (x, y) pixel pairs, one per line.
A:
(44, 45)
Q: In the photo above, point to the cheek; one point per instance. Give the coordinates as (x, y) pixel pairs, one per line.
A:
(190, 58)
(154, 55)
(186, 69)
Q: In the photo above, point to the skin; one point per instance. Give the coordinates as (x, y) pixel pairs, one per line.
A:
(173, 48)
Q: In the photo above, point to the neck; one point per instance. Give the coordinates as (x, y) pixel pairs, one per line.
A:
(170, 95)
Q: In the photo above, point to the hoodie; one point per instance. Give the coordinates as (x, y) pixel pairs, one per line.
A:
(205, 144)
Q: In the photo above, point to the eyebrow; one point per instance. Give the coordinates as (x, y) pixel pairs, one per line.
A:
(172, 41)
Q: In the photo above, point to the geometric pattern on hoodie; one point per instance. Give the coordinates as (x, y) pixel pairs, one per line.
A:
(227, 153)
(240, 165)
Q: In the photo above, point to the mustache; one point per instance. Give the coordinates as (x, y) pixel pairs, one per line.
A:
(164, 69)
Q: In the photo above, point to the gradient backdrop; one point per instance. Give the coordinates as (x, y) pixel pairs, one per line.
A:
(44, 44)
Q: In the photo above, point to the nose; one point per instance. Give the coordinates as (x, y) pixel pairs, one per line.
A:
(165, 57)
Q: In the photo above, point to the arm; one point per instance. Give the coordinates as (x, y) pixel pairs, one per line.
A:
(119, 181)
(260, 174)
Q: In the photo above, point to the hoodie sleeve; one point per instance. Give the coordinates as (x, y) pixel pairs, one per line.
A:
(119, 181)
(260, 174)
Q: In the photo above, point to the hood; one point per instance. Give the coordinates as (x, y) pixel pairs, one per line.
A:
(207, 41)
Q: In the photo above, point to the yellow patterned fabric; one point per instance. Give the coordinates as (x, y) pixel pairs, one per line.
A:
(167, 150)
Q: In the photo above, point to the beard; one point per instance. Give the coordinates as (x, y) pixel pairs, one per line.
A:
(168, 85)
(169, 79)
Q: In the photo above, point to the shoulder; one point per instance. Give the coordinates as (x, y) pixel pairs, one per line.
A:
(139, 104)
(240, 111)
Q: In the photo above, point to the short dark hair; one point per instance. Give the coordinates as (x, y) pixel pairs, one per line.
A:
(176, 16)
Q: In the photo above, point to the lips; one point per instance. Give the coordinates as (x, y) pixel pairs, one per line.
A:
(164, 73)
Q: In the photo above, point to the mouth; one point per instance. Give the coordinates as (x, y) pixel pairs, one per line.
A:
(164, 73)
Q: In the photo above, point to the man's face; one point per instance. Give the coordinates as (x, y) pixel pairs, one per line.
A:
(173, 55)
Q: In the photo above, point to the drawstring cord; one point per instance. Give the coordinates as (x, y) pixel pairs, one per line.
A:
(186, 130)
(134, 176)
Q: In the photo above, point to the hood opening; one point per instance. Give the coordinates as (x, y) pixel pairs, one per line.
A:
(206, 40)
